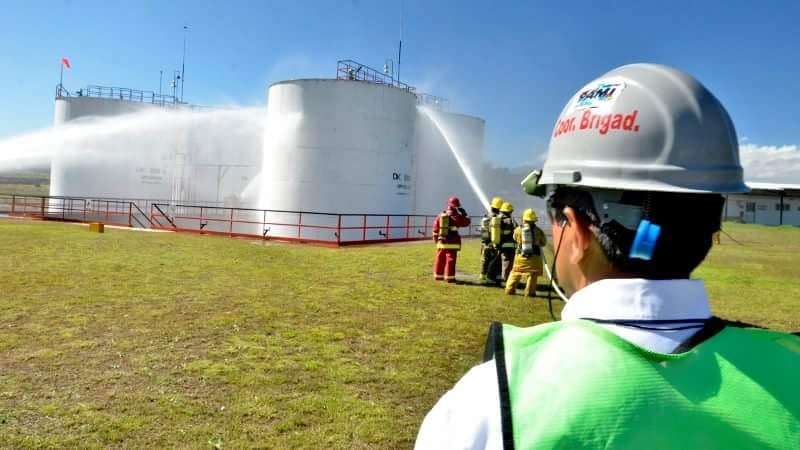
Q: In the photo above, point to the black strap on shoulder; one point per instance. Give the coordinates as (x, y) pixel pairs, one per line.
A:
(495, 349)
(712, 327)
(495, 330)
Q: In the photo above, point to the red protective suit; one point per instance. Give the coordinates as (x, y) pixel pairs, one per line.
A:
(448, 242)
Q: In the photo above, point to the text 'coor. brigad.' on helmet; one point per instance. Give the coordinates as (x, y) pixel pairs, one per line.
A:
(645, 127)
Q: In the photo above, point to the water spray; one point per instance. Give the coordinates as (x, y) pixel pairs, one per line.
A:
(152, 153)
(473, 181)
(130, 136)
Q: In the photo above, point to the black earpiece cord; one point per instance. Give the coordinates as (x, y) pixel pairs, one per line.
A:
(553, 279)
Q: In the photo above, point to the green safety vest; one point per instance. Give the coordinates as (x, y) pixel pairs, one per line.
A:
(574, 384)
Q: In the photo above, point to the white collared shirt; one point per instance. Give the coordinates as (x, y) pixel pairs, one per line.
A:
(468, 416)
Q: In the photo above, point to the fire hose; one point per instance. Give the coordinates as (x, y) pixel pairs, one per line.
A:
(553, 284)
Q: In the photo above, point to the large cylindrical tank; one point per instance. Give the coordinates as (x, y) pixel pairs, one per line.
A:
(73, 108)
(437, 172)
(95, 166)
(138, 150)
(339, 146)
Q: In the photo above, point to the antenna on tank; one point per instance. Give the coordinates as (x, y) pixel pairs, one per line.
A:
(176, 80)
(183, 61)
(400, 48)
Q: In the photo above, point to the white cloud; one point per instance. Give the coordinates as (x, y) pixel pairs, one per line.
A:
(770, 163)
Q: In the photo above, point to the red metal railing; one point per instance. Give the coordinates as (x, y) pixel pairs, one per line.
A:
(297, 226)
(291, 226)
(115, 212)
(123, 212)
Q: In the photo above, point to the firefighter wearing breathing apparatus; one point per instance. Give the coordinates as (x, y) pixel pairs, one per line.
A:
(447, 239)
(633, 179)
(528, 261)
(507, 245)
(490, 240)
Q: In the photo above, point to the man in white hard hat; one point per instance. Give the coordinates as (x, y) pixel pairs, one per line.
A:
(636, 165)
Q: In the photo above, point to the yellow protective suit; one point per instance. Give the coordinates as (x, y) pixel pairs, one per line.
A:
(526, 266)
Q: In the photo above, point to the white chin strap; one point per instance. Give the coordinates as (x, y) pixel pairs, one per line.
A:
(552, 281)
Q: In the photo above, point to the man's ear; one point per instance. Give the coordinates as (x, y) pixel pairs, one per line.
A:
(580, 236)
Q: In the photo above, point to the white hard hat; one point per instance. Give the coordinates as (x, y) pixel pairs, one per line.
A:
(645, 127)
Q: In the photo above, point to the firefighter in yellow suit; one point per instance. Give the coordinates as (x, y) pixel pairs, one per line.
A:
(528, 260)
(506, 244)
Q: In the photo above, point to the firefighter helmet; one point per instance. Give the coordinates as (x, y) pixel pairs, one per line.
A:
(645, 127)
(507, 208)
(454, 202)
(529, 215)
(497, 202)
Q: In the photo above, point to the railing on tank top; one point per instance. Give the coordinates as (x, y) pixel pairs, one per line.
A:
(131, 95)
(119, 93)
(348, 69)
(291, 226)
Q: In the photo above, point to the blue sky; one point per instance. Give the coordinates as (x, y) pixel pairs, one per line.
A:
(513, 63)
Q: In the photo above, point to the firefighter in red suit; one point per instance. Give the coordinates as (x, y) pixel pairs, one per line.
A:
(448, 242)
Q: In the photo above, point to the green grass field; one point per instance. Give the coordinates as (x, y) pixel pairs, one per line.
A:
(133, 339)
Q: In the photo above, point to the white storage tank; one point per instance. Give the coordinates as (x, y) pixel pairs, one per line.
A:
(145, 175)
(72, 108)
(437, 173)
(171, 153)
(338, 146)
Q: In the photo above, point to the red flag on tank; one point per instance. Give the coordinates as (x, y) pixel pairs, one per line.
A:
(65, 63)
